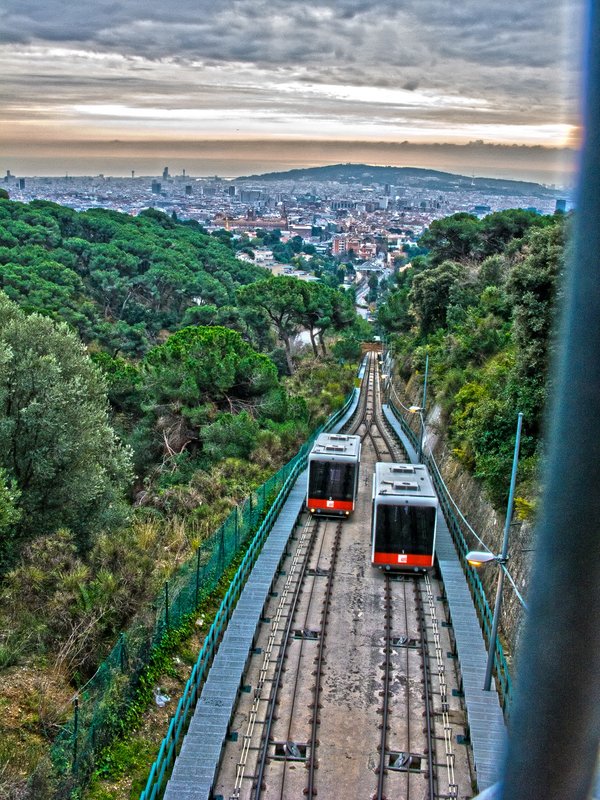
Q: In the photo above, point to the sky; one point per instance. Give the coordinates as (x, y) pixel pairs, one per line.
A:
(244, 86)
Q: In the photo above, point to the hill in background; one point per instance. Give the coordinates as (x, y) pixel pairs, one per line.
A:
(408, 176)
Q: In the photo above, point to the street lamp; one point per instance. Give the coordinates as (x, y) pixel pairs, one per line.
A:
(477, 558)
(418, 410)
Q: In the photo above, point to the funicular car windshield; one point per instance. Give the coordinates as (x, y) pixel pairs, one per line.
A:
(331, 479)
(404, 528)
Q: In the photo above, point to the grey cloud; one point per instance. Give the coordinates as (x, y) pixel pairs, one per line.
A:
(513, 56)
(46, 91)
(278, 31)
(471, 47)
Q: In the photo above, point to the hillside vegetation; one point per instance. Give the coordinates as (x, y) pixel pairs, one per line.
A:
(482, 303)
(118, 280)
(148, 383)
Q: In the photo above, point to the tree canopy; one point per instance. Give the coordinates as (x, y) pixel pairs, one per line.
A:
(463, 236)
(486, 318)
(118, 280)
(430, 294)
(200, 364)
(56, 443)
(196, 377)
(290, 305)
(452, 238)
(281, 301)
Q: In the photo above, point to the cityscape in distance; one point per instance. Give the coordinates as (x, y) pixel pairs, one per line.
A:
(368, 210)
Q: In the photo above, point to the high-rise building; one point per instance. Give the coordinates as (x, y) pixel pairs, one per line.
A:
(188, 189)
(156, 187)
(250, 195)
(166, 174)
(338, 245)
(561, 205)
(21, 183)
(342, 205)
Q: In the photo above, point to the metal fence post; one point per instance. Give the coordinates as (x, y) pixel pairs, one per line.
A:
(222, 546)
(197, 574)
(501, 560)
(167, 604)
(75, 731)
(122, 651)
(177, 608)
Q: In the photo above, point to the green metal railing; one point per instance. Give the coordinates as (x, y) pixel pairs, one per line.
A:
(99, 707)
(169, 748)
(473, 580)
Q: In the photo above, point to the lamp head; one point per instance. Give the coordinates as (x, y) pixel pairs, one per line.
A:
(476, 558)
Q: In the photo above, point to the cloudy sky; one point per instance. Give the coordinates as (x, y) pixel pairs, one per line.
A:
(239, 86)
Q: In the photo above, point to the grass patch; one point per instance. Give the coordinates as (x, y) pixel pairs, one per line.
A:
(21, 752)
(123, 767)
(125, 758)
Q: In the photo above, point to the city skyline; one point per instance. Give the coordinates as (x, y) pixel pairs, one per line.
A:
(240, 88)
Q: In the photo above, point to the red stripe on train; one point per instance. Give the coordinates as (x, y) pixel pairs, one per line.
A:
(331, 505)
(403, 560)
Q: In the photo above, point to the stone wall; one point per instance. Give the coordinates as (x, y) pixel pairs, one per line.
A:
(470, 497)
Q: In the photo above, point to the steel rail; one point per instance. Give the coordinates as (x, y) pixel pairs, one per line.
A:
(376, 421)
(266, 736)
(368, 405)
(387, 670)
(361, 410)
(426, 689)
(285, 643)
(312, 765)
(407, 690)
(381, 424)
(443, 690)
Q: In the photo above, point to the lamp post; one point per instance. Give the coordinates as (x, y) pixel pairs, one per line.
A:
(420, 409)
(424, 404)
(477, 558)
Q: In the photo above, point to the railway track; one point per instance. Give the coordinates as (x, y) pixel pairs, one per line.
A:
(406, 745)
(286, 741)
(369, 423)
(343, 700)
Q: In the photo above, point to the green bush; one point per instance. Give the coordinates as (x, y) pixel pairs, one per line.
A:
(486, 320)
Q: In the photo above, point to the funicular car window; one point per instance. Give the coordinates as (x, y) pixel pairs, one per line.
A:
(331, 479)
(404, 528)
